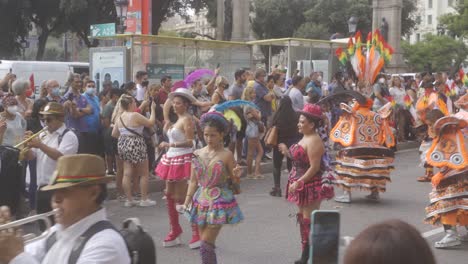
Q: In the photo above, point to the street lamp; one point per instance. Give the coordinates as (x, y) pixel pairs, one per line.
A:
(121, 6)
(352, 25)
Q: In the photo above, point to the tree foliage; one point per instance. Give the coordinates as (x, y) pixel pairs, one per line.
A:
(441, 52)
(14, 27)
(457, 23)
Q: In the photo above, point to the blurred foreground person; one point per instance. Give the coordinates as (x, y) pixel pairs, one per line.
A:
(78, 191)
(389, 242)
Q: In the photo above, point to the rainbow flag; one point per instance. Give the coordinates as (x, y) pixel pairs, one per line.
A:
(351, 47)
(463, 77)
(342, 56)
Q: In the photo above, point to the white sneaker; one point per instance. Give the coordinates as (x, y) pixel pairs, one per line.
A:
(129, 203)
(345, 198)
(449, 240)
(121, 198)
(147, 203)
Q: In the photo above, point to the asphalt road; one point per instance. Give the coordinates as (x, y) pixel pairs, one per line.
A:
(269, 233)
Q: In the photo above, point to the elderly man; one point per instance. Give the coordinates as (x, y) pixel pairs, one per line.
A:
(53, 91)
(78, 191)
(48, 147)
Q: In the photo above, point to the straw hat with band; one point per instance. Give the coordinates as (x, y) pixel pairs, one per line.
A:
(78, 170)
(53, 108)
(312, 110)
(184, 92)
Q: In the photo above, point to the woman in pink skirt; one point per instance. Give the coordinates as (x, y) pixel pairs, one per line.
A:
(310, 180)
(175, 165)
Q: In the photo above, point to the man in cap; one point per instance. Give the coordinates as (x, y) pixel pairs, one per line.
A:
(48, 147)
(78, 190)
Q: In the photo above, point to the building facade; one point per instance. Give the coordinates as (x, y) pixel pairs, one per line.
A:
(198, 26)
(429, 12)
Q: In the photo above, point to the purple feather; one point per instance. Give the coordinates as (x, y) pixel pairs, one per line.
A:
(197, 75)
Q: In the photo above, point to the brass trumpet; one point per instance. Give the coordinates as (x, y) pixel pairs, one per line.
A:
(31, 237)
(22, 145)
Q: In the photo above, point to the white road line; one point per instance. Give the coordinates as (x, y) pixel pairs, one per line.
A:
(433, 232)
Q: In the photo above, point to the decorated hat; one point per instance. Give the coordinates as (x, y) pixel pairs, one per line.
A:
(184, 92)
(53, 108)
(78, 170)
(312, 110)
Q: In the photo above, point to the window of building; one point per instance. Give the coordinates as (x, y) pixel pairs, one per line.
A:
(450, 2)
(429, 3)
(418, 37)
(429, 19)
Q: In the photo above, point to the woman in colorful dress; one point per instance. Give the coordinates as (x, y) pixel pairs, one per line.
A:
(175, 165)
(310, 180)
(210, 201)
(448, 203)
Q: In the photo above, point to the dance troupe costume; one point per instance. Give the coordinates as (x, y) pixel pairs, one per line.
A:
(366, 161)
(318, 188)
(213, 204)
(429, 101)
(175, 166)
(449, 196)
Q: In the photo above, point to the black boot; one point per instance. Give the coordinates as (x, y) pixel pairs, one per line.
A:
(304, 256)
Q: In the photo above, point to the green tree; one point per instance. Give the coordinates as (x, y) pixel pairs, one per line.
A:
(14, 27)
(441, 52)
(457, 23)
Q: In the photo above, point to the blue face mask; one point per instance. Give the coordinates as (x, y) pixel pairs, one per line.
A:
(90, 91)
(56, 91)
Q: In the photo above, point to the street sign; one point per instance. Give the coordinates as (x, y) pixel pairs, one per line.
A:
(102, 30)
(157, 71)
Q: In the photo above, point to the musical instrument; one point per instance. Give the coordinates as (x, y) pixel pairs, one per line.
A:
(31, 237)
(22, 145)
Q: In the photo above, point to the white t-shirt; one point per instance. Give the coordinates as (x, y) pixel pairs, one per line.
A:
(398, 95)
(140, 92)
(297, 99)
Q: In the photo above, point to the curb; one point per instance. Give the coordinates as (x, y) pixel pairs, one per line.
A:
(157, 185)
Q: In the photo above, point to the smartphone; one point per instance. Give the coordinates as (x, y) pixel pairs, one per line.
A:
(11, 70)
(324, 237)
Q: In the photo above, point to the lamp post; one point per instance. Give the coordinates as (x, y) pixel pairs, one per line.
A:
(121, 6)
(352, 25)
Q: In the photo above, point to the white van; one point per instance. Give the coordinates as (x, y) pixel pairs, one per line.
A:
(42, 70)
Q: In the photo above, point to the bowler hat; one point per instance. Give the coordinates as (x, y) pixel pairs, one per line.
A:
(53, 108)
(78, 170)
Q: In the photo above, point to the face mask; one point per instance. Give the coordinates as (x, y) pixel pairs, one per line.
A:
(29, 93)
(319, 78)
(382, 80)
(90, 91)
(134, 93)
(56, 91)
(144, 83)
(12, 109)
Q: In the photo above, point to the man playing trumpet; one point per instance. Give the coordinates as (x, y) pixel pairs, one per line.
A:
(78, 189)
(48, 146)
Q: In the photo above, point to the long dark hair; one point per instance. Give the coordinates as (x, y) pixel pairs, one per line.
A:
(285, 113)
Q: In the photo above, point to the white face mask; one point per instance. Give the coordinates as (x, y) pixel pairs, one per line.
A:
(382, 80)
(12, 109)
(319, 79)
(134, 93)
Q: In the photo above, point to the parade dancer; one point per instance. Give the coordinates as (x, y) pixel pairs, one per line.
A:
(175, 165)
(430, 100)
(366, 161)
(449, 152)
(310, 180)
(210, 201)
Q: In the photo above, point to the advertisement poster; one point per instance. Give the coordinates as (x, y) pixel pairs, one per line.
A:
(109, 64)
(157, 71)
(134, 17)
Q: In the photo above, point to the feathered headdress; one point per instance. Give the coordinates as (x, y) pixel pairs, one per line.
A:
(197, 75)
(367, 61)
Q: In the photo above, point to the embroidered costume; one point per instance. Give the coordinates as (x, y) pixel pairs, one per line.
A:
(448, 199)
(213, 202)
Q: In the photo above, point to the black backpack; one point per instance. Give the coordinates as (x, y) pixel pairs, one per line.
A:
(139, 243)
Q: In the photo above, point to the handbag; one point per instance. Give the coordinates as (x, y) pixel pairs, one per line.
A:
(271, 137)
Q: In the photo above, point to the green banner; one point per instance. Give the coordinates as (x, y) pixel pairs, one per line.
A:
(157, 71)
(102, 30)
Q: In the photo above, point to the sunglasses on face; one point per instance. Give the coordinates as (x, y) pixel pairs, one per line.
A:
(47, 119)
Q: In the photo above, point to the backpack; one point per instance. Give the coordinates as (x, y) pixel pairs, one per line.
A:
(139, 243)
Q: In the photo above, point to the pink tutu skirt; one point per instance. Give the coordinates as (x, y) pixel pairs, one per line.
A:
(175, 169)
(313, 191)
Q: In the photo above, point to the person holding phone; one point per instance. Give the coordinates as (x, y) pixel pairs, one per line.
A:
(308, 182)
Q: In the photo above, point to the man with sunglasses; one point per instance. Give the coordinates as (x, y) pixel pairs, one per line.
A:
(50, 145)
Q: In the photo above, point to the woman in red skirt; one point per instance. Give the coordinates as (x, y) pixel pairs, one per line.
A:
(175, 165)
(310, 180)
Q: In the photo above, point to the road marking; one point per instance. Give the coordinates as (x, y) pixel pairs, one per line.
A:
(433, 232)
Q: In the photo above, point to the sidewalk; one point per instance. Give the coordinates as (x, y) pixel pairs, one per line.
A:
(157, 185)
